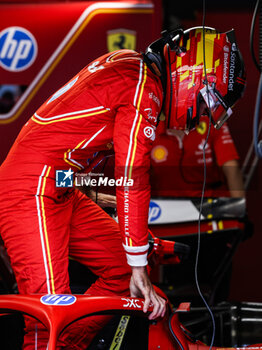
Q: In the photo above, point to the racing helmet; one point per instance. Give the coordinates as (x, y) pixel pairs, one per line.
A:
(191, 89)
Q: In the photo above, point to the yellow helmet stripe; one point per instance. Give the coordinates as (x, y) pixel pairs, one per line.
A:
(209, 52)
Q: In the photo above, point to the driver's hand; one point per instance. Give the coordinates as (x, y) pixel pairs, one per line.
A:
(106, 200)
(102, 199)
(140, 286)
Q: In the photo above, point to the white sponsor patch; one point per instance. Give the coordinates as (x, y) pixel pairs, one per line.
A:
(149, 132)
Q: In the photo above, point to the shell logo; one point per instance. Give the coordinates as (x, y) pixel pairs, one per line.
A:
(159, 153)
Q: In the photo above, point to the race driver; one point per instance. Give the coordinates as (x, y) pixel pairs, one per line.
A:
(115, 100)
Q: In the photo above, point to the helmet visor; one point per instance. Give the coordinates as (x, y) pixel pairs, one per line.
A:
(219, 109)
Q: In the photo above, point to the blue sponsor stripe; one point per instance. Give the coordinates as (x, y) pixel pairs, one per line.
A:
(58, 299)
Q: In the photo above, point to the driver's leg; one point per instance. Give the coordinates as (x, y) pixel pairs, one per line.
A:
(95, 241)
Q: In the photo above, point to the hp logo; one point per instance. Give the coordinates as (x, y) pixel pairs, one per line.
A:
(154, 212)
(18, 49)
(58, 299)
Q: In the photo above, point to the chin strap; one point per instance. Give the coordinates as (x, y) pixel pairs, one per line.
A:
(156, 65)
(151, 64)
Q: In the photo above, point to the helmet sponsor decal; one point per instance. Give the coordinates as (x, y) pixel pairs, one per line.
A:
(58, 299)
(18, 49)
(231, 78)
(154, 212)
(234, 47)
(226, 64)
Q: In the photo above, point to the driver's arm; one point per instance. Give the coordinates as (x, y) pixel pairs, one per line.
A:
(132, 162)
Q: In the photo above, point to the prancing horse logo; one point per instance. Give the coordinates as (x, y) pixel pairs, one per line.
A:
(121, 39)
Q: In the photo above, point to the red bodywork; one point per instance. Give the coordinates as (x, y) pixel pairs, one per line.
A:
(167, 333)
(56, 317)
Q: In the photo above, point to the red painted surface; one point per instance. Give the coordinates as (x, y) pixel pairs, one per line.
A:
(69, 35)
(56, 317)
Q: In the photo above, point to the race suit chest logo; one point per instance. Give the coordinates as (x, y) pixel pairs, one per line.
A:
(154, 212)
(18, 49)
(150, 116)
(149, 132)
(58, 299)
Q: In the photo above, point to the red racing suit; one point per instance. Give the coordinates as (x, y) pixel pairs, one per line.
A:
(115, 100)
(177, 163)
